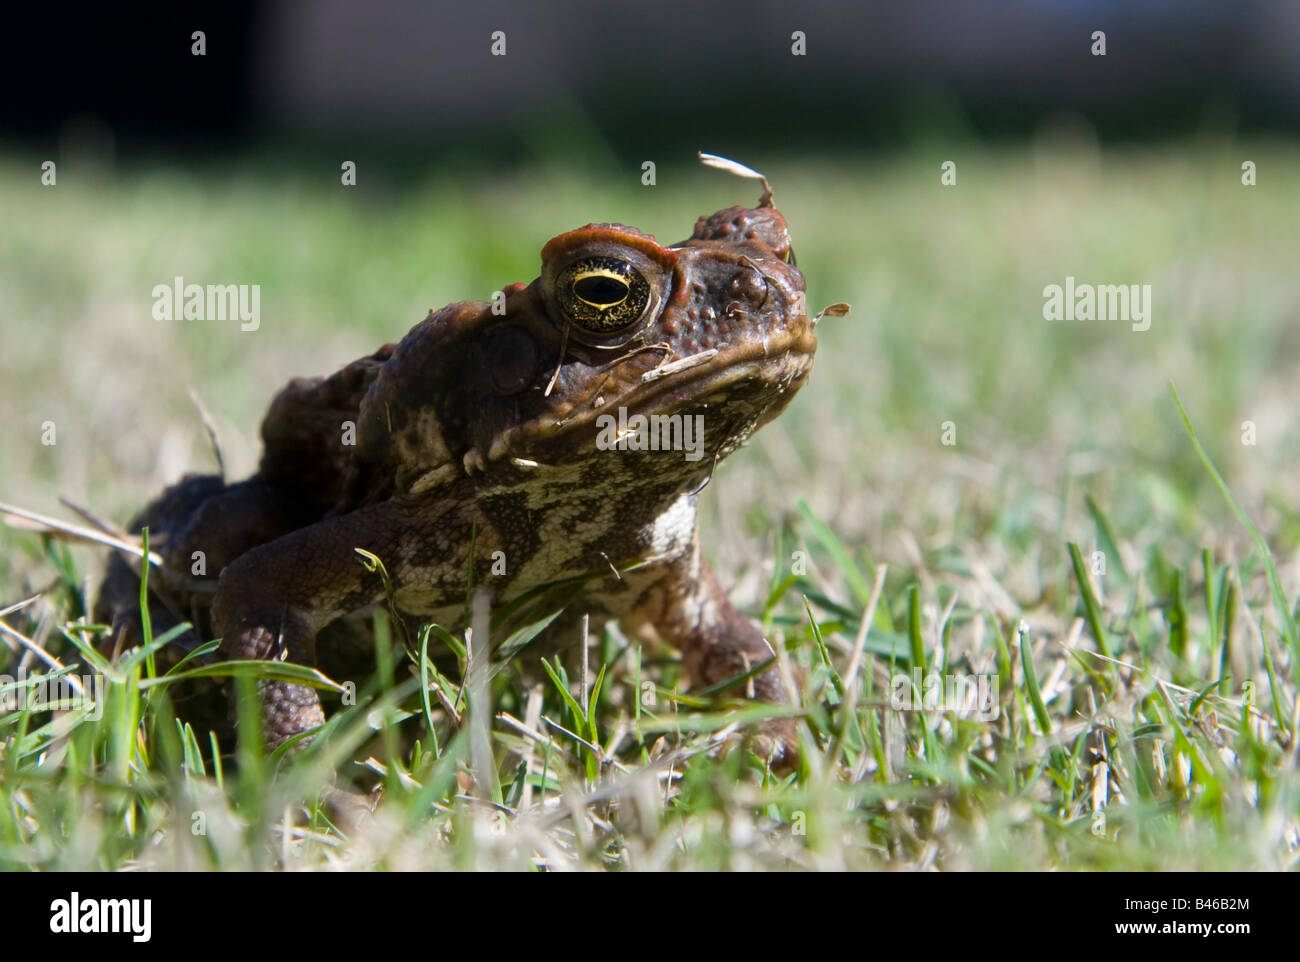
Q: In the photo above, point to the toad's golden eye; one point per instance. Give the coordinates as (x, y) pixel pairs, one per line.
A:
(602, 294)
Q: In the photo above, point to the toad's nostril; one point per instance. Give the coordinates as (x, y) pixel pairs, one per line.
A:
(750, 286)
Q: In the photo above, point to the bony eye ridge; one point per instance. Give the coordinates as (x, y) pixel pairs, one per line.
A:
(602, 294)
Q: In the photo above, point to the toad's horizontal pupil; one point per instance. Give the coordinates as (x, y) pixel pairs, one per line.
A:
(600, 290)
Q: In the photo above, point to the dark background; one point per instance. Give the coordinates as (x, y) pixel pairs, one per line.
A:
(418, 76)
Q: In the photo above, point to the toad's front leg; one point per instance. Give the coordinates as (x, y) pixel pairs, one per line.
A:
(272, 600)
(690, 611)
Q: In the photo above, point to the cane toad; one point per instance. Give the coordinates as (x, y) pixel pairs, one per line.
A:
(514, 429)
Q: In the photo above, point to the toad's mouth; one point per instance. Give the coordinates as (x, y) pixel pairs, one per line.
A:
(697, 384)
(749, 385)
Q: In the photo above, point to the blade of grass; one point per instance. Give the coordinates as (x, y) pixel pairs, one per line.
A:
(1091, 606)
(1284, 615)
(1031, 680)
(835, 548)
(1105, 536)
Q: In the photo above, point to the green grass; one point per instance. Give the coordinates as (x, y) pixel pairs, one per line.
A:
(1147, 714)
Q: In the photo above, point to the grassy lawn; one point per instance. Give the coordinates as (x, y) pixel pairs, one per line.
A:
(914, 508)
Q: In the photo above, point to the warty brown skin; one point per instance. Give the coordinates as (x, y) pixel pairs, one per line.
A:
(480, 428)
